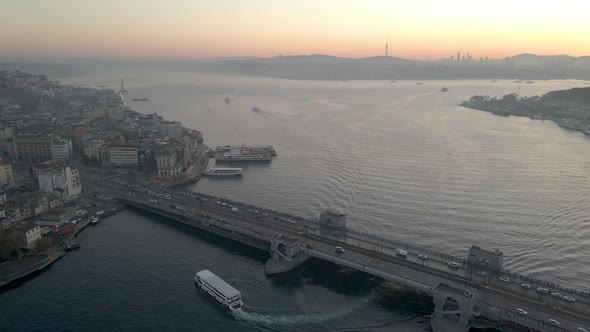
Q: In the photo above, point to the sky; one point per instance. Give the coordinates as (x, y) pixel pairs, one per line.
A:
(187, 29)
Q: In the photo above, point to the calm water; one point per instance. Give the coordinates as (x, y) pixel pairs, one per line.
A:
(401, 159)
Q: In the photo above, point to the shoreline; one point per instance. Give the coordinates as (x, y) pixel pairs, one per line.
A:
(563, 123)
(15, 279)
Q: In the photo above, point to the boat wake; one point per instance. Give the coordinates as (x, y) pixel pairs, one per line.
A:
(268, 319)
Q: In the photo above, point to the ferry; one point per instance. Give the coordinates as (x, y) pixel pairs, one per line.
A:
(223, 171)
(244, 153)
(229, 297)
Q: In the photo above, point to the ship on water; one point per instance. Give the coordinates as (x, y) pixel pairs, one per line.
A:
(223, 171)
(226, 295)
(244, 153)
(141, 99)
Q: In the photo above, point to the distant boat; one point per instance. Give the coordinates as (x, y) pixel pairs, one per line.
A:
(529, 82)
(255, 109)
(444, 90)
(141, 99)
(418, 83)
(493, 81)
(392, 81)
(518, 81)
(209, 110)
(226, 100)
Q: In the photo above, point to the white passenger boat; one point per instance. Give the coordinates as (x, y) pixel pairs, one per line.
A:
(223, 172)
(229, 297)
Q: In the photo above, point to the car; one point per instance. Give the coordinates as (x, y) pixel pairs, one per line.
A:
(336, 233)
(569, 298)
(505, 279)
(542, 290)
(423, 257)
(339, 249)
(553, 322)
(522, 312)
(527, 286)
(581, 329)
(482, 273)
(557, 295)
(454, 265)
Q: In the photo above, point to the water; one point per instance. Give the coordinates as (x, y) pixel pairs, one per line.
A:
(402, 160)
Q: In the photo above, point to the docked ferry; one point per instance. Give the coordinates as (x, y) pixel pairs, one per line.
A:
(244, 153)
(223, 171)
(229, 297)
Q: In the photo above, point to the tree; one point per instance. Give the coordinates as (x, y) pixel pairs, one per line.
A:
(9, 248)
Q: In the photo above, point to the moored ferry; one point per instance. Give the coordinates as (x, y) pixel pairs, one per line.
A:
(244, 153)
(226, 171)
(229, 297)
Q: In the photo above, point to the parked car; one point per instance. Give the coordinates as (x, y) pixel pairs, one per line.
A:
(522, 312)
(505, 279)
(339, 249)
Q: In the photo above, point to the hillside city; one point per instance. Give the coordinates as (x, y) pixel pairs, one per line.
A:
(50, 134)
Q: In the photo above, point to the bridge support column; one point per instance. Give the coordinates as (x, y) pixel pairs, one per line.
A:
(286, 254)
(453, 309)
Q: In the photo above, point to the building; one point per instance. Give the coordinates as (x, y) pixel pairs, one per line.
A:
(33, 149)
(28, 234)
(167, 162)
(171, 129)
(333, 220)
(60, 178)
(6, 175)
(61, 149)
(5, 223)
(39, 149)
(485, 259)
(123, 156)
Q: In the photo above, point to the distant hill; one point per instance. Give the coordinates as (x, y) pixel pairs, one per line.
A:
(326, 67)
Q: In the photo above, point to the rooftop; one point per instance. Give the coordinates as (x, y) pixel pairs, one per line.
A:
(218, 283)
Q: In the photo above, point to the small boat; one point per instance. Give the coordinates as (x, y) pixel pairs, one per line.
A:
(141, 99)
(530, 82)
(255, 109)
(418, 83)
(229, 297)
(227, 100)
(444, 90)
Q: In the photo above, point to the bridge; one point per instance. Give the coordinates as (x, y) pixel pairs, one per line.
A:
(466, 292)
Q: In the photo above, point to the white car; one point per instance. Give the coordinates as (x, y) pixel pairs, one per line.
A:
(454, 265)
(522, 312)
(423, 257)
(542, 290)
(339, 249)
(557, 295)
(553, 322)
(527, 286)
(569, 298)
(581, 329)
(505, 279)
(482, 273)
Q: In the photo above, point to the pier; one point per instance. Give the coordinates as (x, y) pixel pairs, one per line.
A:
(465, 293)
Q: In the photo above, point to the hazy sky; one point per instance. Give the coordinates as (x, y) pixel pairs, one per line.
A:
(419, 29)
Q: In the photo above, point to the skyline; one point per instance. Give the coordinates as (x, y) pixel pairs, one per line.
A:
(423, 30)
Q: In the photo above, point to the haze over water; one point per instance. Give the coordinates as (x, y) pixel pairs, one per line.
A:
(401, 159)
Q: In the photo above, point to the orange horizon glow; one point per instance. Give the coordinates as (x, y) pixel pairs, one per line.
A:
(183, 29)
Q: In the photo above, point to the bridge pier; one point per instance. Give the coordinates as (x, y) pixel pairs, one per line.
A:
(286, 254)
(453, 309)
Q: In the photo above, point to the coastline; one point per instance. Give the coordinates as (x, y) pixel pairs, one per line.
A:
(564, 123)
(14, 279)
